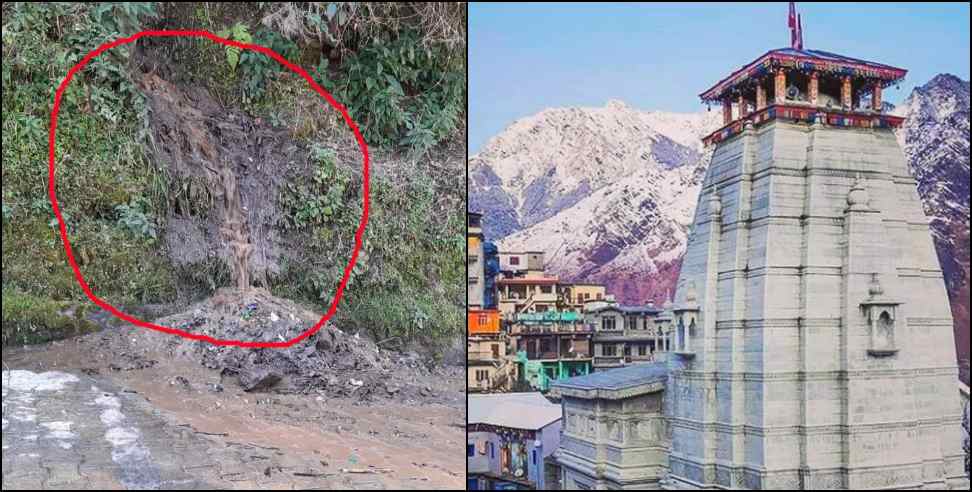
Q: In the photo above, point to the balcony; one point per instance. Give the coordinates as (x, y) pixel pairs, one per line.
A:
(608, 361)
(619, 335)
(484, 356)
(552, 355)
(551, 329)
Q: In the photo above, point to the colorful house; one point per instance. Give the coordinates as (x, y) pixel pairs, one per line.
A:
(511, 438)
(550, 345)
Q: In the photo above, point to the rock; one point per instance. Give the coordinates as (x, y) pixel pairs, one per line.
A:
(325, 343)
(258, 379)
(180, 381)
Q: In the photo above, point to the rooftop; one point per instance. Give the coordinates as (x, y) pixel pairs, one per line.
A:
(618, 379)
(628, 309)
(802, 59)
(527, 281)
(526, 411)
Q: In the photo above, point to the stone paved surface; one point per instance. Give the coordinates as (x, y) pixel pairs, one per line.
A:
(71, 431)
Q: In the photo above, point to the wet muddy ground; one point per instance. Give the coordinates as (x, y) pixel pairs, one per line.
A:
(104, 412)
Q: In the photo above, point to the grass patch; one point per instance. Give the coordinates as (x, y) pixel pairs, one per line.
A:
(31, 319)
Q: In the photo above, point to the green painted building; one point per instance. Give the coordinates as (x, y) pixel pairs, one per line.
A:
(551, 346)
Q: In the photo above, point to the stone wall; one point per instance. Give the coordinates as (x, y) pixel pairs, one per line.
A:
(613, 441)
(785, 387)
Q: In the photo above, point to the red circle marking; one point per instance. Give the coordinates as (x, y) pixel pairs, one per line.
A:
(358, 236)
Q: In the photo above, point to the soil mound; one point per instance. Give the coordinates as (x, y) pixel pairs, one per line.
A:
(330, 361)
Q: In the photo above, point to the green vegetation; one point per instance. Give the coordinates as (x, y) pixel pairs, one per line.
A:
(31, 319)
(409, 280)
(101, 167)
(399, 68)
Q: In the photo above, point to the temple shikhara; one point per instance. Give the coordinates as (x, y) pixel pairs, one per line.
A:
(813, 344)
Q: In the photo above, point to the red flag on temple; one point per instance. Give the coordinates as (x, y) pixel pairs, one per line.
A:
(791, 22)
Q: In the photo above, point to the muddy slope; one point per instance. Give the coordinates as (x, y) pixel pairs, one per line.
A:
(225, 170)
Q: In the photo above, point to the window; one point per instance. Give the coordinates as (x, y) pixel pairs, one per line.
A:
(483, 319)
(546, 289)
(492, 451)
(495, 349)
(470, 450)
(607, 323)
(608, 350)
(482, 375)
(546, 345)
(514, 260)
(642, 350)
(627, 351)
(534, 457)
(599, 296)
(587, 296)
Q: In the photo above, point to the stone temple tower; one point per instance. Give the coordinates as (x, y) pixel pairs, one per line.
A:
(814, 345)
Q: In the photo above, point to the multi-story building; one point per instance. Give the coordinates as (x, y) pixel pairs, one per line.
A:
(575, 296)
(489, 367)
(628, 334)
(475, 262)
(529, 294)
(510, 441)
(514, 264)
(550, 346)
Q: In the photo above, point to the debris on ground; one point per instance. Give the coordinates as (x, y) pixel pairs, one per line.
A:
(329, 363)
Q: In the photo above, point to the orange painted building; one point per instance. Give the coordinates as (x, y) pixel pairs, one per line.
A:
(484, 322)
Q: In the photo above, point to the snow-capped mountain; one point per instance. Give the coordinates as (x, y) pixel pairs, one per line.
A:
(935, 138)
(608, 193)
(546, 163)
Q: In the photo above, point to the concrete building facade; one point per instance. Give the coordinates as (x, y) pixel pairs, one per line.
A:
(627, 334)
(475, 262)
(615, 434)
(550, 346)
(510, 440)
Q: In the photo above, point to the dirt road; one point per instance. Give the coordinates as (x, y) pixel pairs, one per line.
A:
(79, 415)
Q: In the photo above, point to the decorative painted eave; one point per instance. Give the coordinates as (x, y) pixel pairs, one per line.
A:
(805, 114)
(806, 60)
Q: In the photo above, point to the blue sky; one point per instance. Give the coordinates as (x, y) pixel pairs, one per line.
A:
(527, 57)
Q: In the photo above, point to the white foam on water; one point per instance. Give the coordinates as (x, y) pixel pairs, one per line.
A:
(112, 417)
(59, 430)
(127, 451)
(108, 401)
(31, 381)
(122, 436)
(24, 414)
